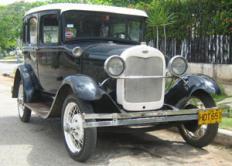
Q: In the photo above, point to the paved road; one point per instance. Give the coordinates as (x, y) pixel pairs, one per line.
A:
(40, 143)
(7, 68)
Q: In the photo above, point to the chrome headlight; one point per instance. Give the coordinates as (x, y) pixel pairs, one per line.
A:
(114, 66)
(178, 66)
(77, 51)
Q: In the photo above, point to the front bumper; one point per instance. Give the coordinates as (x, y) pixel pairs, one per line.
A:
(140, 118)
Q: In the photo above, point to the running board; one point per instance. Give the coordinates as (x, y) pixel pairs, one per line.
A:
(41, 109)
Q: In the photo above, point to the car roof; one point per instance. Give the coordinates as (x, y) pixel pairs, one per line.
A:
(87, 7)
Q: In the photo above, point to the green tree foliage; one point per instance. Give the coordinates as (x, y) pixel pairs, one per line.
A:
(11, 23)
(158, 17)
(179, 18)
(200, 18)
(105, 2)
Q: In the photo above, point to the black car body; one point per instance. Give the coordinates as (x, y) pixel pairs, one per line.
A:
(94, 56)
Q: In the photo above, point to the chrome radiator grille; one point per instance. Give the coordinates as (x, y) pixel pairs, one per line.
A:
(145, 89)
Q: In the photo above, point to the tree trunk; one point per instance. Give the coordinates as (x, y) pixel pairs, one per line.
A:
(153, 34)
(174, 47)
(157, 37)
(165, 40)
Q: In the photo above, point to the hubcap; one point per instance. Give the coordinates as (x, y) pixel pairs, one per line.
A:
(73, 127)
(196, 135)
(20, 101)
(200, 131)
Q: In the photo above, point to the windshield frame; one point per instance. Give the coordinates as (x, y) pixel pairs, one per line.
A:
(140, 18)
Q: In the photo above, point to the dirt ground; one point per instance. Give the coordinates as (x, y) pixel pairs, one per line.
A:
(6, 81)
(40, 143)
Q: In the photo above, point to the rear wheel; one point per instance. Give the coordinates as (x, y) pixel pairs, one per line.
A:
(23, 112)
(194, 134)
(80, 142)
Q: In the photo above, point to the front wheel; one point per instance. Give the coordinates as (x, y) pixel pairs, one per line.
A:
(80, 142)
(194, 134)
(24, 112)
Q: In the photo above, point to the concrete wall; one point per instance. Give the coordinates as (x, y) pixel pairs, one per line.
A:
(221, 73)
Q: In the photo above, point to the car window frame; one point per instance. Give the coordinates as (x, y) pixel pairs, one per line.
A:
(142, 25)
(24, 32)
(44, 13)
(28, 18)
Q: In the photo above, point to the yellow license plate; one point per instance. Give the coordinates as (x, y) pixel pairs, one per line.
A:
(209, 116)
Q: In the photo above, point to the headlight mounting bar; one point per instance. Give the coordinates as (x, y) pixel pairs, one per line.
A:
(141, 77)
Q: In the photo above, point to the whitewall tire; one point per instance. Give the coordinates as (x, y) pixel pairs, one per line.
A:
(80, 142)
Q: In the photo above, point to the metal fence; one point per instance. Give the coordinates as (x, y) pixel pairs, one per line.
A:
(215, 49)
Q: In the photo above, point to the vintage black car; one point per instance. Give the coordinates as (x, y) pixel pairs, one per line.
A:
(88, 64)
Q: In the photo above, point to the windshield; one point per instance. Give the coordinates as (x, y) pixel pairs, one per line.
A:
(82, 25)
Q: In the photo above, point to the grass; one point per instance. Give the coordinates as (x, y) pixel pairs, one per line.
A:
(226, 123)
(168, 83)
(221, 97)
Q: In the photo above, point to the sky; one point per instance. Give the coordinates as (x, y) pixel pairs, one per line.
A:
(5, 2)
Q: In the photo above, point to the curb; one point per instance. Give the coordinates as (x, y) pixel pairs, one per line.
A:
(224, 137)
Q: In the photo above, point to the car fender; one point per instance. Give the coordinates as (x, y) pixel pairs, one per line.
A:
(83, 87)
(25, 73)
(187, 85)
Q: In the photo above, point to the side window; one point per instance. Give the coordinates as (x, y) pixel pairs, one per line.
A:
(134, 30)
(24, 32)
(49, 29)
(33, 30)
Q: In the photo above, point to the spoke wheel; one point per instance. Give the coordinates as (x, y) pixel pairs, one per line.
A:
(79, 141)
(23, 112)
(194, 134)
(73, 127)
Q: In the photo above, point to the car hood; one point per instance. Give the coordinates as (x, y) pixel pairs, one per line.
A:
(101, 50)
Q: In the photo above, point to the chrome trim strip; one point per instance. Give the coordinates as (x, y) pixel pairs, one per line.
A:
(140, 121)
(143, 114)
(138, 118)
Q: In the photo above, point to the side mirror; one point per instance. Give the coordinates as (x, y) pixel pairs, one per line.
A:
(77, 52)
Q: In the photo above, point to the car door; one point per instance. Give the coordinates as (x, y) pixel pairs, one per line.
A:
(48, 53)
(53, 63)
